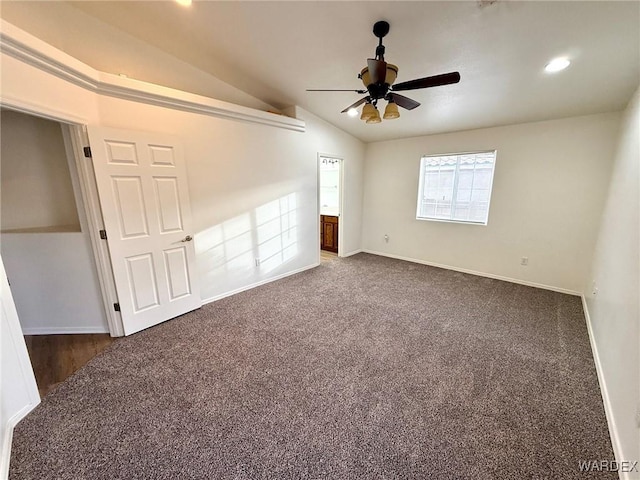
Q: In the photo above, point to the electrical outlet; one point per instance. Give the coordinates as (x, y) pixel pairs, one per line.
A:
(386, 238)
(524, 261)
(257, 262)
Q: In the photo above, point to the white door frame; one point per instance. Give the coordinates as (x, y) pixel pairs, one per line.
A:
(81, 169)
(77, 137)
(340, 201)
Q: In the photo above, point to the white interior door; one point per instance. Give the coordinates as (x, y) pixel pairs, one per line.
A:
(142, 185)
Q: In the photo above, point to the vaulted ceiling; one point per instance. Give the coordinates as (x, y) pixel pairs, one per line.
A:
(274, 51)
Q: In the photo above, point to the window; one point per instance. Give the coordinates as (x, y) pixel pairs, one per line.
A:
(456, 187)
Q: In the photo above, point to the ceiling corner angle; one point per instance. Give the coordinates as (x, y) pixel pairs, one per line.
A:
(36, 53)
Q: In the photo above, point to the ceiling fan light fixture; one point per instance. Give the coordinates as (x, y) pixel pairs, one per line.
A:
(391, 111)
(368, 111)
(392, 74)
(374, 118)
(365, 77)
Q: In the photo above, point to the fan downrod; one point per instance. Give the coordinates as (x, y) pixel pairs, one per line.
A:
(380, 29)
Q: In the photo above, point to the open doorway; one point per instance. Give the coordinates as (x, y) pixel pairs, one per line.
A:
(94, 241)
(46, 248)
(330, 201)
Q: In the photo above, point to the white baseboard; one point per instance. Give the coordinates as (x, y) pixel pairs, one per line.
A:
(257, 284)
(62, 330)
(354, 252)
(613, 431)
(474, 272)
(5, 457)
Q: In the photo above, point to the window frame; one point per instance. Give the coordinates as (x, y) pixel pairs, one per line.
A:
(420, 195)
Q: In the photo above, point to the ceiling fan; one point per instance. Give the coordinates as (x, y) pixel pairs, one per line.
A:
(378, 77)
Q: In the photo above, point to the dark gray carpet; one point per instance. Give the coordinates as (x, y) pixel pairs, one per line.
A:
(362, 368)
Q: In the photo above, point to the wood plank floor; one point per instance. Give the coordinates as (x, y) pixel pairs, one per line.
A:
(55, 357)
(326, 256)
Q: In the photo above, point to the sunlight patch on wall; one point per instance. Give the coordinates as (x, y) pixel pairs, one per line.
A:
(248, 246)
(277, 232)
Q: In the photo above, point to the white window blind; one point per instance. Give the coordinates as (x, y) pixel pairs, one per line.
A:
(456, 187)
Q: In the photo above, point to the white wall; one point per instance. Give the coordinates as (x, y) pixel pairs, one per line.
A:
(42, 241)
(614, 312)
(34, 175)
(18, 389)
(38, 91)
(548, 191)
(54, 282)
(323, 137)
(253, 190)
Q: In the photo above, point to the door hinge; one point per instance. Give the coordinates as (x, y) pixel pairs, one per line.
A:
(103, 234)
(87, 152)
(116, 307)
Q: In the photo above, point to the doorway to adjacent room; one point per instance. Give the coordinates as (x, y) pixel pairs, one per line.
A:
(330, 201)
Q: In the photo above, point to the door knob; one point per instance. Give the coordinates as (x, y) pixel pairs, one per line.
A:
(188, 238)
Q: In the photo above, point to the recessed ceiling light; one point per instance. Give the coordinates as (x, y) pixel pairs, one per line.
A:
(352, 112)
(184, 3)
(556, 65)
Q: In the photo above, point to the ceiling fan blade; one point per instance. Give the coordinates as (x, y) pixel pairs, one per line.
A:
(427, 82)
(334, 90)
(402, 101)
(377, 70)
(357, 104)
